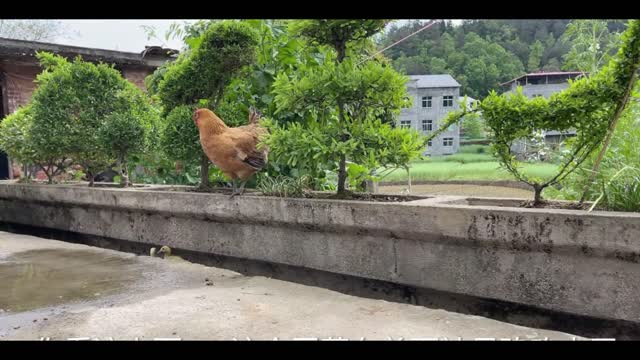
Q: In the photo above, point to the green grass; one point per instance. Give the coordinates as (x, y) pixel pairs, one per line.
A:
(438, 170)
(464, 158)
(475, 149)
(474, 162)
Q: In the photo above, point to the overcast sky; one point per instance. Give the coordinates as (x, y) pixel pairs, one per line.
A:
(122, 35)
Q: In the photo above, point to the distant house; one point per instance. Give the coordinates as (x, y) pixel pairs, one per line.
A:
(434, 96)
(470, 103)
(19, 68)
(543, 84)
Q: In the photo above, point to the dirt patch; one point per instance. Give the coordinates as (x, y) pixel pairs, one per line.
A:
(309, 195)
(461, 190)
(555, 205)
(366, 197)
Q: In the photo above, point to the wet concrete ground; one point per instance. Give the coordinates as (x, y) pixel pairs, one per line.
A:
(57, 290)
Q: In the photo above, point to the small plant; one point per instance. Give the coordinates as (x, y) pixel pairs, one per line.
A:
(621, 192)
(284, 186)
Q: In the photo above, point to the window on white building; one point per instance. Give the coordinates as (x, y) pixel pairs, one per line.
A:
(429, 143)
(426, 101)
(447, 100)
(427, 125)
(405, 124)
(448, 141)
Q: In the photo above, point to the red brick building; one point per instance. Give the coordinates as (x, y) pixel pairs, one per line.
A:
(19, 68)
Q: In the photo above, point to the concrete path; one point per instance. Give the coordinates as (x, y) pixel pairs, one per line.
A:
(57, 290)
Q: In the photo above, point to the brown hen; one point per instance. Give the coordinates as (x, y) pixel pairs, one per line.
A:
(234, 150)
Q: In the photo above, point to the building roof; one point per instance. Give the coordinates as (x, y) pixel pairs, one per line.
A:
(151, 57)
(540, 74)
(469, 99)
(434, 81)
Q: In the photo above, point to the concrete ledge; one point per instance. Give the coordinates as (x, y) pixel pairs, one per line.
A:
(562, 260)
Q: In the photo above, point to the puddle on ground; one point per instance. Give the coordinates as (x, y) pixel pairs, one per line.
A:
(41, 278)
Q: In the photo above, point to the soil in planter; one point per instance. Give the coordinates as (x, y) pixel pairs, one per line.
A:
(311, 195)
(365, 197)
(556, 205)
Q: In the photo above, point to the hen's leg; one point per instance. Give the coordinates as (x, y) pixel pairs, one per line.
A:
(241, 190)
(235, 188)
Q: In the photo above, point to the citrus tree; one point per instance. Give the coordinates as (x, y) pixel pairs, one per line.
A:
(342, 102)
(199, 78)
(85, 112)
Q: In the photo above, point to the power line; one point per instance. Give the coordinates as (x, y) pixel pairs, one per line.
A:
(401, 40)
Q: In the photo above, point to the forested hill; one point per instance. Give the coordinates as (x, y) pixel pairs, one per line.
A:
(480, 54)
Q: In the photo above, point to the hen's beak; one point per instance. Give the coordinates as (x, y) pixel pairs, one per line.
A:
(195, 117)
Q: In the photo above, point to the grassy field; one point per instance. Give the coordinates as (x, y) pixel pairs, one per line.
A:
(466, 165)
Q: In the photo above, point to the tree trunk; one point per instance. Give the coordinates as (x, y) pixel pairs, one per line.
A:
(204, 171)
(342, 170)
(91, 178)
(409, 179)
(341, 49)
(124, 174)
(342, 174)
(537, 194)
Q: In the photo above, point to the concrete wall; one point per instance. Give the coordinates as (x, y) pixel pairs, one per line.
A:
(436, 112)
(20, 82)
(136, 75)
(563, 260)
(545, 90)
(19, 85)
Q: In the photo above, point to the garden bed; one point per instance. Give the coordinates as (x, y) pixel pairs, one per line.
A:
(307, 195)
(525, 204)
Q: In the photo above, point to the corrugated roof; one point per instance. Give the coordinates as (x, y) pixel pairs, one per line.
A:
(13, 48)
(544, 74)
(434, 81)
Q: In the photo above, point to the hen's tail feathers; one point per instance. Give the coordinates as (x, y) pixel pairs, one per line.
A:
(254, 115)
(256, 162)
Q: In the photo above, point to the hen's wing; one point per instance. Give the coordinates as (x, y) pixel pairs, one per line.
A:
(245, 140)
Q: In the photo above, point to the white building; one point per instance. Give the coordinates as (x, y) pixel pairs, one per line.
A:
(434, 96)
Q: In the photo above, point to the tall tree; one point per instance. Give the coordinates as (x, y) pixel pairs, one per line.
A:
(34, 30)
(593, 44)
(536, 50)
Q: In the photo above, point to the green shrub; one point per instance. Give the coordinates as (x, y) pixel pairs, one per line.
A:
(88, 113)
(284, 186)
